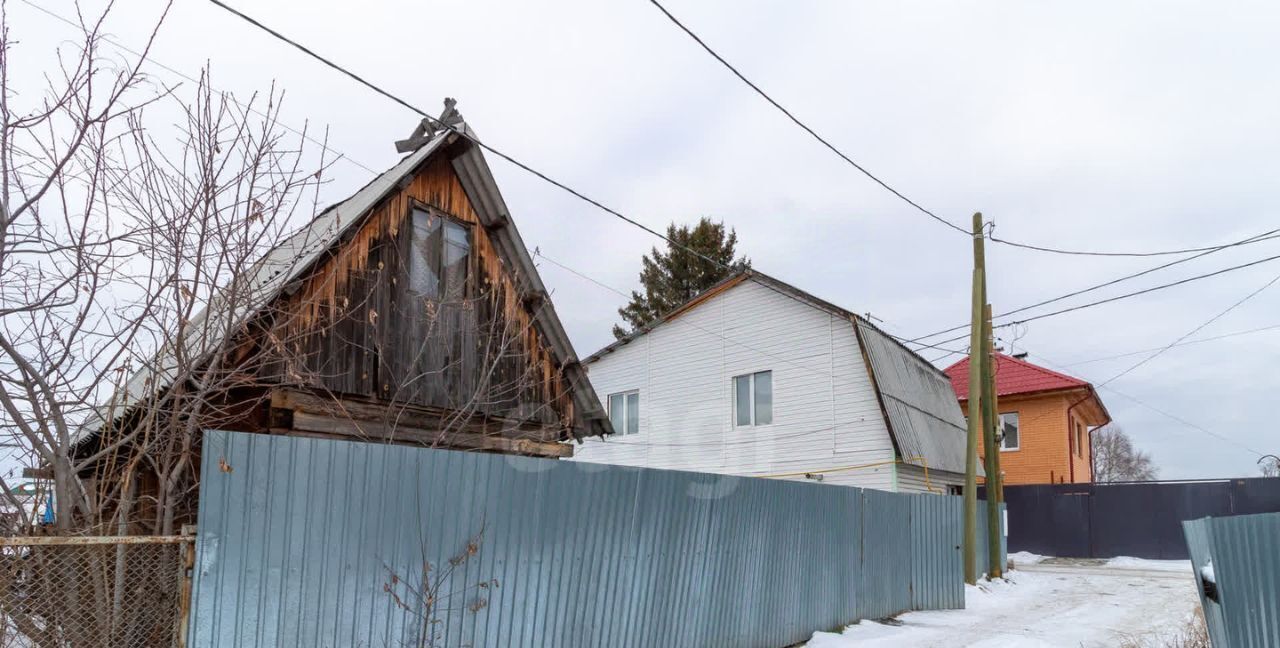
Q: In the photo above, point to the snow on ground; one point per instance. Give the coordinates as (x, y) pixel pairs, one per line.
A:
(1125, 562)
(1062, 604)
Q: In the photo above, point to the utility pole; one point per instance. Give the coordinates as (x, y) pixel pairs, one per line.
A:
(995, 407)
(976, 347)
(990, 450)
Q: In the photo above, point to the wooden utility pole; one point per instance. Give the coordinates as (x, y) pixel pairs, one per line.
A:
(990, 450)
(975, 408)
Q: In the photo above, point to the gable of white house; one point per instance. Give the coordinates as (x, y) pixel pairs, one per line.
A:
(825, 411)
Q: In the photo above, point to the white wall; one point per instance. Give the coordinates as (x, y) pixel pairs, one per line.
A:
(684, 372)
(911, 479)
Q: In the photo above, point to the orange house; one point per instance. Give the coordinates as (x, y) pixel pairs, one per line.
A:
(1046, 418)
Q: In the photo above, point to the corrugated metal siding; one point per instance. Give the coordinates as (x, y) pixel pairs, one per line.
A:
(1245, 551)
(825, 409)
(886, 558)
(937, 566)
(302, 541)
(923, 413)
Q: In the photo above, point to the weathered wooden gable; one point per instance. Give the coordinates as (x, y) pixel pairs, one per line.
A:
(353, 327)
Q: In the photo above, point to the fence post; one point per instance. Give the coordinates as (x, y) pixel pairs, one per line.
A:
(187, 562)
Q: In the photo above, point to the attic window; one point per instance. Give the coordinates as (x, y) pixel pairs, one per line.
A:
(439, 251)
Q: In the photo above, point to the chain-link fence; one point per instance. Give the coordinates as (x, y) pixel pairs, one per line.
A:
(104, 592)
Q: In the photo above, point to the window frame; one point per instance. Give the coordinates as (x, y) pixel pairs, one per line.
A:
(751, 406)
(1017, 426)
(625, 397)
(409, 228)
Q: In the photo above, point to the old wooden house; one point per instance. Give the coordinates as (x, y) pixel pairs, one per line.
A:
(410, 312)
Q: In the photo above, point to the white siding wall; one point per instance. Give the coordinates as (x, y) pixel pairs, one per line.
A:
(911, 479)
(684, 371)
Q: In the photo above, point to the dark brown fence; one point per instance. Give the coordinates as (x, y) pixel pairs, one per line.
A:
(1140, 519)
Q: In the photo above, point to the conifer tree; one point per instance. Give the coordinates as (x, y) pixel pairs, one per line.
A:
(674, 277)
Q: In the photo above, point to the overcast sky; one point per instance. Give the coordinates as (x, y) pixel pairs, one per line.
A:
(1089, 125)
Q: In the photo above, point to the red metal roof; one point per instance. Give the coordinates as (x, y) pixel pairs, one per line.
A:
(1013, 376)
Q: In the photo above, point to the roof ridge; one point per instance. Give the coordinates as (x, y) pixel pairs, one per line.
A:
(1041, 369)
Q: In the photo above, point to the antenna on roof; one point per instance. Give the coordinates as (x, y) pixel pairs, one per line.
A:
(426, 129)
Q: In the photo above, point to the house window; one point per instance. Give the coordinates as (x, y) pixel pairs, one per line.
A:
(624, 412)
(439, 251)
(1079, 439)
(1009, 431)
(753, 399)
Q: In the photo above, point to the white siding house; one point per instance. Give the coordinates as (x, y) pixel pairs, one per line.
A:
(755, 377)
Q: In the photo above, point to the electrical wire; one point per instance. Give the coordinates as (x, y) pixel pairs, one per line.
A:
(805, 127)
(1117, 297)
(1172, 417)
(1265, 236)
(472, 138)
(1188, 343)
(538, 253)
(1193, 331)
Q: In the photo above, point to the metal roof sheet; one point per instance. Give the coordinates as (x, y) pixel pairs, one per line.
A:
(1013, 376)
(920, 406)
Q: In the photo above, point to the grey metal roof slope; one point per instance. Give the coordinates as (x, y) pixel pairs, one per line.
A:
(920, 407)
(270, 276)
(919, 404)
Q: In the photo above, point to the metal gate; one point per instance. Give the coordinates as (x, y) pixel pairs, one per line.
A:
(100, 591)
(1142, 520)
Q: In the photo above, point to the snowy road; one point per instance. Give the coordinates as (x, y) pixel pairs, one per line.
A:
(1068, 605)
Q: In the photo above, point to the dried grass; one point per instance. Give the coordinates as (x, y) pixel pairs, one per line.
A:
(1193, 634)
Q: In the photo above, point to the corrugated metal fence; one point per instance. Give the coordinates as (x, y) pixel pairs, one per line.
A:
(1142, 520)
(1242, 603)
(304, 542)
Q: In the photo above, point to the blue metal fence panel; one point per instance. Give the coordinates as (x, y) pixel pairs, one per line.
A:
(1244, 554)
(937, 568)
(306, 542)
(884, 584)
(983, 555)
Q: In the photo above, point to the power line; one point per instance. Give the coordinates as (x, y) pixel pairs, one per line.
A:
(465, 135)
(1157, 410)
(1265, 236)
(470, 137)
(1117, 297)
(729, 66)
(1188, 343)
(538, 253)
(1193, 331)
(804, 126)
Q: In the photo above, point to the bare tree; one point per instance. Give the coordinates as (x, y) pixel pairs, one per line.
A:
(115, 236)
(133, 313)
(1269, 466)
(1116, 459)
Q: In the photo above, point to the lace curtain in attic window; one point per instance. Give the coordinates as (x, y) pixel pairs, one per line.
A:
(439, 251)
